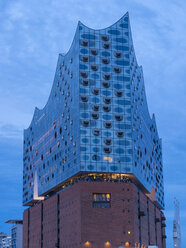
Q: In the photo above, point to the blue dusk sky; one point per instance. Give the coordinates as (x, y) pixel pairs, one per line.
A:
(33, 33)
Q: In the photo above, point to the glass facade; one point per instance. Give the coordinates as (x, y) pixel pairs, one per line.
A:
(96, 119)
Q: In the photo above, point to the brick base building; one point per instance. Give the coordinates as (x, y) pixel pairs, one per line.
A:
(95, 214)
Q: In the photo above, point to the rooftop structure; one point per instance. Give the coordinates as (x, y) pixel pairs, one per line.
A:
(96, 120)
(14, 221)
(16, 232)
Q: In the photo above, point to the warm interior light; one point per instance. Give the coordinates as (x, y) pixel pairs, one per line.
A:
(127, 244)
(109, 159)
(108, 196)
(107, 244)
(87, 244)
(128, 232)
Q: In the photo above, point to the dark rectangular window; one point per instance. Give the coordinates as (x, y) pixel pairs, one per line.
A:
(101, 200)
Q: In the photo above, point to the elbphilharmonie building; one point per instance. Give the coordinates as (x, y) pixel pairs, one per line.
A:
(95, 142)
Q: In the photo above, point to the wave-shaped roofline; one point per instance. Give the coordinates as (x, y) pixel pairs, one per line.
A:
(125, 15)
(151, 117)
(38, 110)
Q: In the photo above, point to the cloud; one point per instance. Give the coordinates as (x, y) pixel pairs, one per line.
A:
(10, 131)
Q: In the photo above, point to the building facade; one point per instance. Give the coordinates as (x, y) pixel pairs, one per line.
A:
(97, 214)
(94, 127)
(176, 225)
(16, 233)
(5, 240)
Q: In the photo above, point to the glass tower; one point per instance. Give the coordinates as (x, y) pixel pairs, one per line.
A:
(96, 120)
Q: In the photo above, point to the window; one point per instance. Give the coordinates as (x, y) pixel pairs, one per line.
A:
(108, 141)
(84, 74)
(85, 123)
(120, 134)
(119, 93)
(105, 60)
(109, 159)
(85, 59)
(84, 98)
(107, 100)
(105, 37)
(106, 46)
(106, 108)
(118, 117)
(117, 69)
(101, 200)
(84, 43)
(94, 52)
(107, 76)
(96, 107)
(107, 149)
(96, 132)
(118, 54)
(94, 67)
(95, 91)
(85, 82)
(106, 84)
(95, 157)
(108, 124)
(95, 116)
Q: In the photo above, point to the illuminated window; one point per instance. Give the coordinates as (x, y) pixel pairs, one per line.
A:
(101, 200)
(109, 159)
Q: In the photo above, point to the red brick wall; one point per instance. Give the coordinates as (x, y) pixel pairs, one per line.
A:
(25, 229)
(135, 215)
(144, 219)
(80, 222)
(50, 222)
(163, 229)
(152, 223)
(158, 227)
(100, 225)
(70, 217)
(35, 227)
